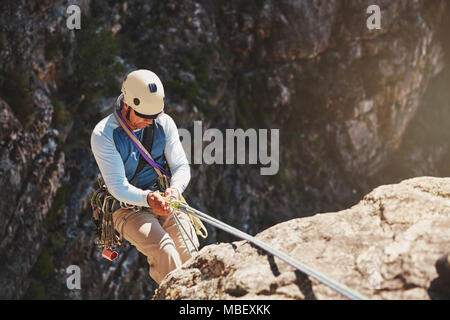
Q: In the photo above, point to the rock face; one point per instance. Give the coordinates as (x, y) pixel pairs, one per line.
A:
(385, 247)
(356, 108)
(31, 166)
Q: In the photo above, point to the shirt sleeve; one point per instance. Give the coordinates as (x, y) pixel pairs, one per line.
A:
(112, 169)
(176, 157)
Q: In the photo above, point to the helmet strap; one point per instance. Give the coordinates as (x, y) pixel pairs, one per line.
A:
(128, 113)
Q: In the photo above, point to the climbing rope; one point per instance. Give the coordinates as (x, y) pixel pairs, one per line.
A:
(340, 288)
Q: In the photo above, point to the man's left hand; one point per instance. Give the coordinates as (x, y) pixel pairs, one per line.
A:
(172, 192)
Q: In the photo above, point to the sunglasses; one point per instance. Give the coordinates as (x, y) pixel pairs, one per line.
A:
(146, 116)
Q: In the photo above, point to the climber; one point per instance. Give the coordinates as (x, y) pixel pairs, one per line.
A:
(144, 218)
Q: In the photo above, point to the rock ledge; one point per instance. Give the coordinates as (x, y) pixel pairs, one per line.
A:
(385, 247)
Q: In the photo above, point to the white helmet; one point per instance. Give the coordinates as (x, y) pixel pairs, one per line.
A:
(143, 91)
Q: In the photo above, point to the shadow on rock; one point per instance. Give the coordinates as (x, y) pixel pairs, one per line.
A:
(440, 287)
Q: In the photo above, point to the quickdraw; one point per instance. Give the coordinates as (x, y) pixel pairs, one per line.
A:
(103, 205)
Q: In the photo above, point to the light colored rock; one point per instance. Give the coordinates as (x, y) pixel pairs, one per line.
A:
(385, 247)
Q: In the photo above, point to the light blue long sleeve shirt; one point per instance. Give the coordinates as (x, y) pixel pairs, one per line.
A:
(117, 159)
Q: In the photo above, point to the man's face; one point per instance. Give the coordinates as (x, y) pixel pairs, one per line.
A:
(138, 122)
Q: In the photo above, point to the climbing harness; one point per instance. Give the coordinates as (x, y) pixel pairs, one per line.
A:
(340, 288)
(104, 204)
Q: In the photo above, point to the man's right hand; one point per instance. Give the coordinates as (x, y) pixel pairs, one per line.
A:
(157, 203)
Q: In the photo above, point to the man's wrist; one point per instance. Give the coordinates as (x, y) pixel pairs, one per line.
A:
(147, 197)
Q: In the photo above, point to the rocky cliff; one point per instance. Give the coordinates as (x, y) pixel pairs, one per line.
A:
(394, 244)
(356, 108)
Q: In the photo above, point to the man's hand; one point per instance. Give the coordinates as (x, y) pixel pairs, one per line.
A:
(157, 203)
(172, 192)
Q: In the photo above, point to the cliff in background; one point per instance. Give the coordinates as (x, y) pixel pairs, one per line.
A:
(356, 109)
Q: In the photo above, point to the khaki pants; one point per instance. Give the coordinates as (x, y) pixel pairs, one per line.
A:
(158, 238)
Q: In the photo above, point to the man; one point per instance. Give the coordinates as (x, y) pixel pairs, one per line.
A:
(130, 179)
